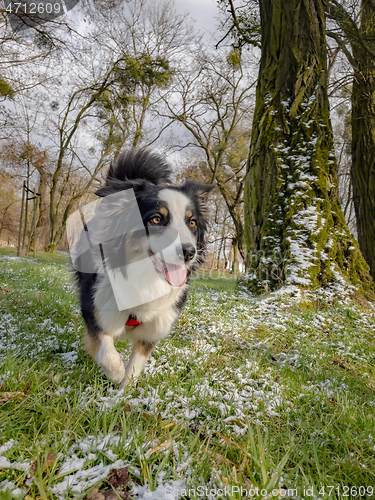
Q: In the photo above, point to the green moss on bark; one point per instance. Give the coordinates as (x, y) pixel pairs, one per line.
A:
(295, 229)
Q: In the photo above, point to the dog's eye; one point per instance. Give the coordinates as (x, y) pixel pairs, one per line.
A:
(192, 223)
(156, 219)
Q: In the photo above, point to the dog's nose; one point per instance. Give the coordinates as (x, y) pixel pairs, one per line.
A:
(189, 252)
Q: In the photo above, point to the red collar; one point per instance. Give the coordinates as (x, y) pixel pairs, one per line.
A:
(132, 321)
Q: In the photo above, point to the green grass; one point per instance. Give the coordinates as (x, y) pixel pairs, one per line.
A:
(214, 280)
(269, 393)
(42, 257)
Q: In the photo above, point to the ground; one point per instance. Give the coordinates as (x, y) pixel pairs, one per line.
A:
(275, 393)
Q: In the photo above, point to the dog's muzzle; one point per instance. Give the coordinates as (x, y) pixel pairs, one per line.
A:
(174, 274)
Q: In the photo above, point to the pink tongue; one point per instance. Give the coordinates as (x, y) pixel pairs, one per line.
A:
(176, 275)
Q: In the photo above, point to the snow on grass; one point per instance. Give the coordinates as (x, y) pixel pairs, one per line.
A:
(294, 367)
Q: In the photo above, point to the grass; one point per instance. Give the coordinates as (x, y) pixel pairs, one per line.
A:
(274, 393)
(41, 257)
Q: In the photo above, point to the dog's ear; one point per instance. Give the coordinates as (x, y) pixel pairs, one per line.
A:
(205, 189)
(103, 191)
(200, 191)
(197, 188)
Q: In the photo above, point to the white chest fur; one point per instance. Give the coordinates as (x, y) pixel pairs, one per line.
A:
(157, 315)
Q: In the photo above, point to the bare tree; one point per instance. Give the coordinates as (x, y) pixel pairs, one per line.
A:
(99, 94)
(29, 44)
(354, 33)
(9, 208)
(133, 77)
(149, 38)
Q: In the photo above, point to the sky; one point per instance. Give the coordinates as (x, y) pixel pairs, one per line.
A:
(204, 12)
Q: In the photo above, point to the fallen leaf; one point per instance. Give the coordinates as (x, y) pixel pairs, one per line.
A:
(6, 396)
(119, 478)
(111, 495)
(51, 457)
(340, 363)
(168, 424)
(158, 448)
(94, 494)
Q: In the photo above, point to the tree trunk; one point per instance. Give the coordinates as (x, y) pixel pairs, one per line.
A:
(43, 218)
(295, 230)
(363, 134)
(235, 213)
(236, 257)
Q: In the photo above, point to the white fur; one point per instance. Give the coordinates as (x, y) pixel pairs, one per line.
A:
(110, 360)
(134, 367)
(178, 204)
(157, 316)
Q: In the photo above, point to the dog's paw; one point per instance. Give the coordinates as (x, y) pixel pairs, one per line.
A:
(115, 373)
(110, 360)
(130, 382)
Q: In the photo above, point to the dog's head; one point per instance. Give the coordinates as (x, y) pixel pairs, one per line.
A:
(174, 221)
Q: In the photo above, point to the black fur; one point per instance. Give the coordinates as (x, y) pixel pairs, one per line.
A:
(137, 164)
(197, 193)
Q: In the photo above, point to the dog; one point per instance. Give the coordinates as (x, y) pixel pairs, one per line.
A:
(148, 236)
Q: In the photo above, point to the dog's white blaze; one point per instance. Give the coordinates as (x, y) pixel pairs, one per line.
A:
(178, 204)
(109, 359)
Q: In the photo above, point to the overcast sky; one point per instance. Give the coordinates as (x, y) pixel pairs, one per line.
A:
(204, 12)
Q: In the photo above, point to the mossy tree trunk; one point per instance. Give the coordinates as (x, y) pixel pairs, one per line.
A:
(294, 227)
(363, 133)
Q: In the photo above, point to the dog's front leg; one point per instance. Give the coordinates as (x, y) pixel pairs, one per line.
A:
(102, 349)
(138, 357)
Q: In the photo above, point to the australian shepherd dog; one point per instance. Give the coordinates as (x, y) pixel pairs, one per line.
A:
(136, 249)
